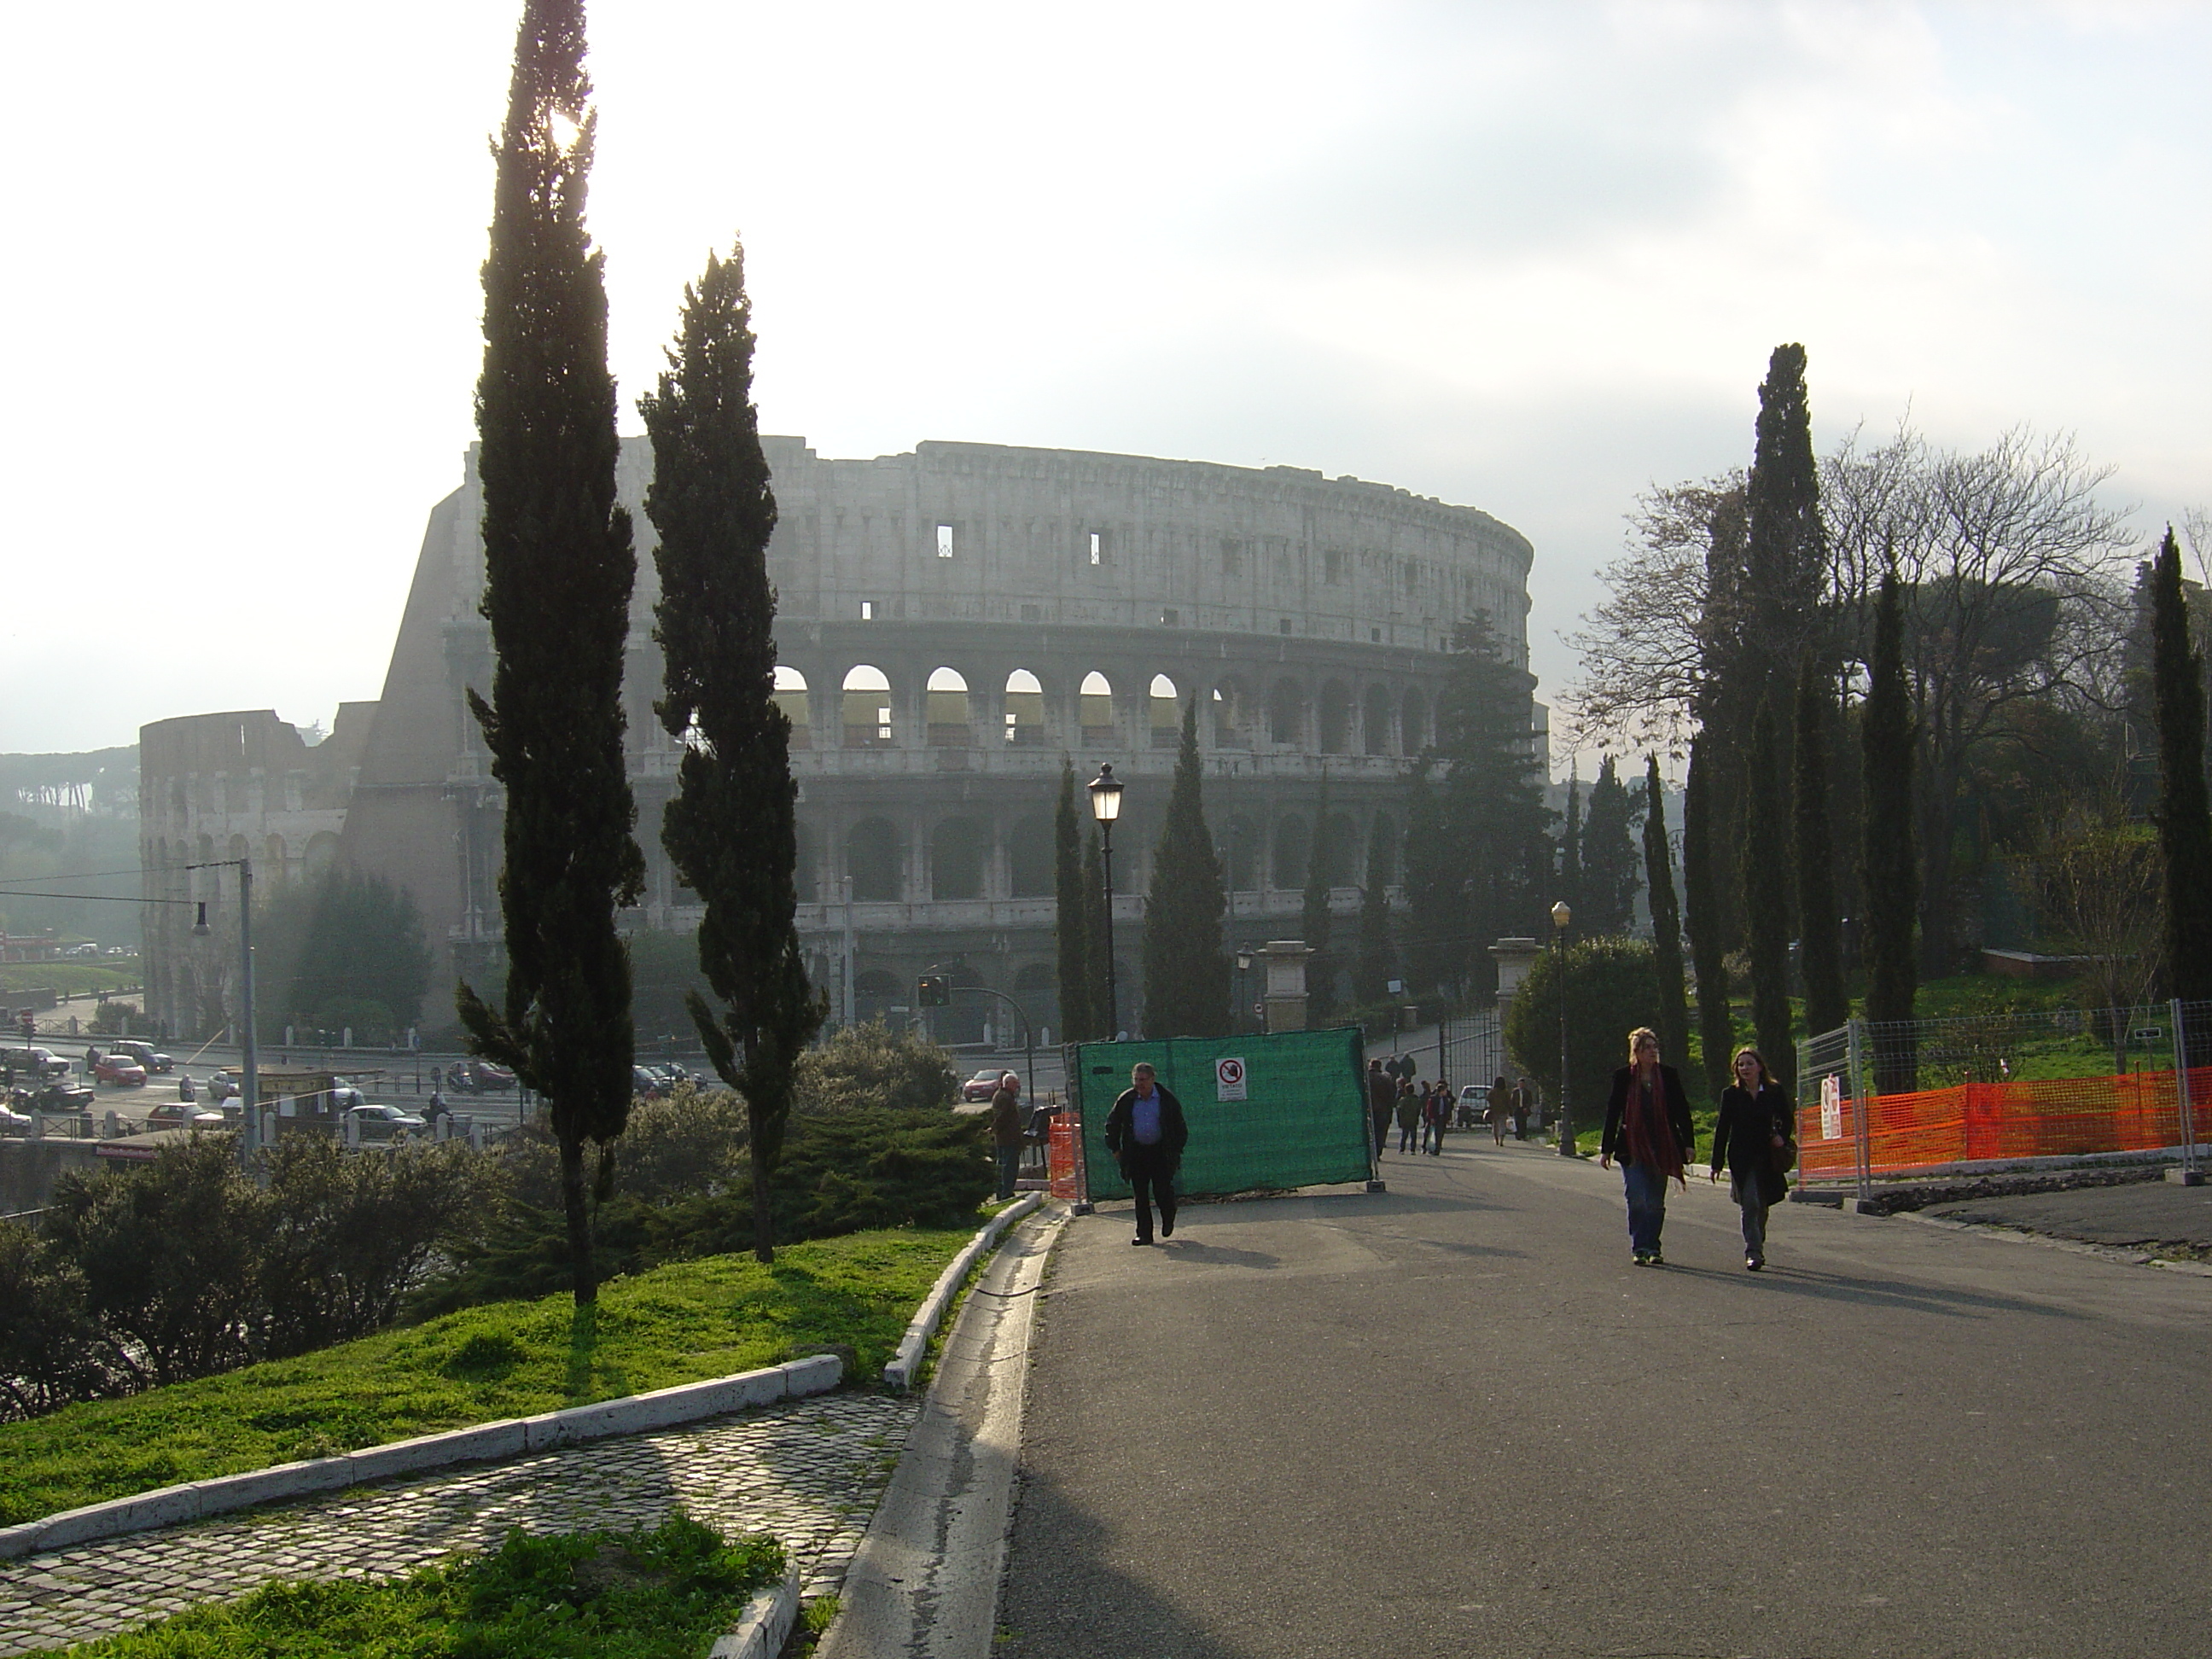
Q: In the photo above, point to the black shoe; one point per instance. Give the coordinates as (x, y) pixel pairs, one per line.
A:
(1658, 1260)
(1167, 1226)
(1753, 1263)
(1641, 1258)
(1140, 1241)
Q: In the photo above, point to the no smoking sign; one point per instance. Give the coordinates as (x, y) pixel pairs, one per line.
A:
(1228, 1078)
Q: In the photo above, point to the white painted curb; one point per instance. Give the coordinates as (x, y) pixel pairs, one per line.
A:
(167, 1506)
(900, 1373)
(765, 1622)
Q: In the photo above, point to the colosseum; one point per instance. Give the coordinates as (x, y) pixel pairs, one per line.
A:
(950, 624)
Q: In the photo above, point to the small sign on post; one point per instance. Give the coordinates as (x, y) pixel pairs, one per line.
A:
(1228, 1078)
(1831, 1107)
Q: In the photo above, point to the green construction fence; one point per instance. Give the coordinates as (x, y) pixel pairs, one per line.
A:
(1302, 1120)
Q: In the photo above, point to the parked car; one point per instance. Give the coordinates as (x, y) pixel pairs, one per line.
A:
(646, 1083)
(377, 1122)
(33, 1062)
(223, 1086)
(478, 1076)
(13, 1123)
(175, 1114)
(55, 1095)
(983, 1084)
(121, 1070)
(145, 1054)
(670, 1074)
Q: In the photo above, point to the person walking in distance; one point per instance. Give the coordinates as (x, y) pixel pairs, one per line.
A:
(1750, 1140)
(1501, 1109)
(1647, 1128)
(1007, 1130)
(1409, 1115)
(1382, 1095)
(1440, 1107)
(1145, 1133)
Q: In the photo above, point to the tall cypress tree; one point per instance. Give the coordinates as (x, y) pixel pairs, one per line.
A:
(1701, 892)
(1785, 546)
(1891, 879)
(1186, 971)
(1819, 941)
(1316, 922)
(558, 569)
(2185, 817)
(730, 829)
(1665, 921)
(1436, 889)
(1079, 1018)
(1611, 867)
(1374, 966)
(1766, 903)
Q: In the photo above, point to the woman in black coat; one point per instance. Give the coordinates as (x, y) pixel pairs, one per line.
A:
(1647, 1128)
(1748, 1138)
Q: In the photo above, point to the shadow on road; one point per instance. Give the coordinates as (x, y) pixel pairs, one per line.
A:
(1872, 1292)
(1220, 1256)
(1063, 1600)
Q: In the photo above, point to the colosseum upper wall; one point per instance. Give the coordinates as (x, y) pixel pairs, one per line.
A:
(950, 624)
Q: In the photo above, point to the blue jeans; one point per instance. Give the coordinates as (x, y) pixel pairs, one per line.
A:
(1647, 1206)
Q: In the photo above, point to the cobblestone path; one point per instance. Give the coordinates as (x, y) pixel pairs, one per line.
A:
(809, 1472)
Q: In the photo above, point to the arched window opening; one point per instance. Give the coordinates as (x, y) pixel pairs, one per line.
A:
(322, 853)
(949, 727)
(1240, 854)
(867, 712)
(875, 994)
(1095, 709)
(1232, 704)
(1029, 858)
(1286, 714)
(1376, 721)
(1289, 873)
(957, 847)
(871, 860)
(1416, 723)
(273, 856)
(1335, 719)
(1382, 851)
(791, 698)
(1036, 989)
(1167, 714)
(1024, 710)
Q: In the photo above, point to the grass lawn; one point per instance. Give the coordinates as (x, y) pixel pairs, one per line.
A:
(70, 978)
(681, 1323)
(665, 1594)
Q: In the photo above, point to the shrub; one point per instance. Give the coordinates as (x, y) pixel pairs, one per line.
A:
(110, 1018)
(869, 1065)
(1612, 988)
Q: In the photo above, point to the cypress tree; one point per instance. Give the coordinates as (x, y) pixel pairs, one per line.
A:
(1315, 918)
(1610, 864)
(1708, 937)
(1784, 546)
(1078, 1017)
(1673, 1022)
(1819, 941)
(1186, 971)
(730, 830)
(1106, 1019)
(2185, 817)
(1766, 902)
(1892, 874)
(1572, 885)
(1374, 962)
(558, 569)
(1436, 889)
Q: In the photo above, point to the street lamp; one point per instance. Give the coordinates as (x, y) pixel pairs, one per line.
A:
(1105, 807)
(1561, 916)
(249, 1138)
(1244, 967)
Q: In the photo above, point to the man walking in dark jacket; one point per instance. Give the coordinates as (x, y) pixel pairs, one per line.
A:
(1382, 1100)
(1145, 1133)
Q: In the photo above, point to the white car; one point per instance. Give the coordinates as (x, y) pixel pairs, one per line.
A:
(376, 1122)
(13, 1122)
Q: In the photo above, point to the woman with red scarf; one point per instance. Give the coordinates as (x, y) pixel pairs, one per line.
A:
(1647, 1128)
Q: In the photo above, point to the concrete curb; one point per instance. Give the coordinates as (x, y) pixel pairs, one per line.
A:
(765, 1622)
(168, 1506)
(2046, 1241)
(900, 1373)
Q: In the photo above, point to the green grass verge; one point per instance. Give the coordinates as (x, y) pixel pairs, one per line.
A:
(665, 1594)
(69, 978)
(681, 1323)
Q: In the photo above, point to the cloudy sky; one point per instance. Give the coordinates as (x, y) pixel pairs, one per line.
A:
(1527, 257)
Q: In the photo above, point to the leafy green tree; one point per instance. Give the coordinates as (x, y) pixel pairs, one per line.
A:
(1701, 891)
(730, 830)
(870, 1065)
(1611, 990)
(1766, 903)
(1819, 937)
(1079, 1019)
(1186, 972)
(1612, 867)
(348, 950)
(1673, 1022)
(1891, 874)
(558, 570)
(2185, 816)
(1315, 918)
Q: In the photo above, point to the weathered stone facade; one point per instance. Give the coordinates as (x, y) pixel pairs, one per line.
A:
(950, 622)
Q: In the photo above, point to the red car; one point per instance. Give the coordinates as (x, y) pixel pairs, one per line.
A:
(121, 1069)
(982, 1085)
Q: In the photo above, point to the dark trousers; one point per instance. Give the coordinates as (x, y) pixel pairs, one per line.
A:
(1151, 1180)
(1009, 1159)
(1382, 1130)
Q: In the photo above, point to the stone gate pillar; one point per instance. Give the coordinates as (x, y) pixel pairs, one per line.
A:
(1286, 984)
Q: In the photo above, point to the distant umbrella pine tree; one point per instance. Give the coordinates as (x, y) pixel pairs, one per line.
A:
(1674, 1020)
(1186, 972)
(1079, 1019)
(558, 569)
(730, 830)
(2184, 817)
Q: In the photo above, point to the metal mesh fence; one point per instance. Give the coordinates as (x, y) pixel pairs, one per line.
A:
(1291, 1112)
(1936, 1095)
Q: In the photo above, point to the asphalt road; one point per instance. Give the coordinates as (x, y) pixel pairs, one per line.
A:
(1453, 1419)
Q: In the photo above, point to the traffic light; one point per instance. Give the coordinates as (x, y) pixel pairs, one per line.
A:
(932, 990)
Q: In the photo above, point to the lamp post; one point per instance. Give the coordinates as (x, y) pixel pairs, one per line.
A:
(1105, 807)
(249, 1138)
(1244, 967)
(1561, 916)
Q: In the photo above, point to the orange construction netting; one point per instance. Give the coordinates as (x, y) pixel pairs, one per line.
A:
(1975, 1122)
